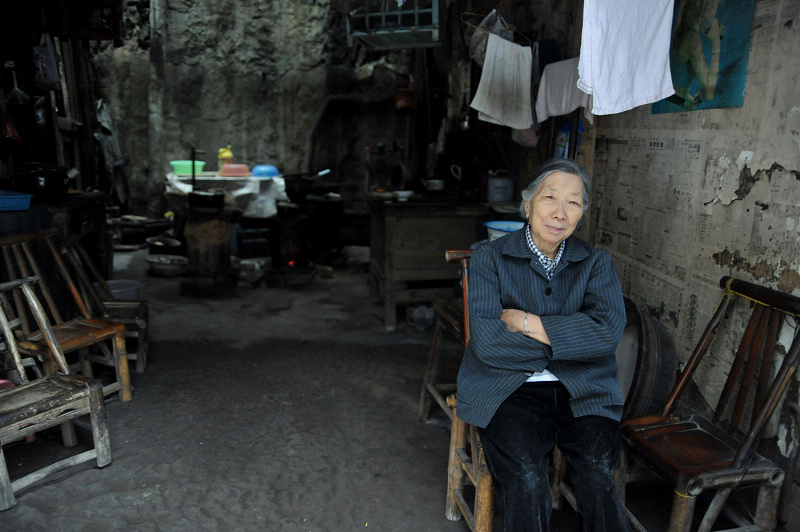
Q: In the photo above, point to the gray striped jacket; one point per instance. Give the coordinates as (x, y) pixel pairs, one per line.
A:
(582, 311)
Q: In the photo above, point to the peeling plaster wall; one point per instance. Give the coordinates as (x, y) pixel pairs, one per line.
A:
(685, 198)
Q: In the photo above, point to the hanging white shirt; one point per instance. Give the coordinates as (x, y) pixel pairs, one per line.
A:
(624, 61)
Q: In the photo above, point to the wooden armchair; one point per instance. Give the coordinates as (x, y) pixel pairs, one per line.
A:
(133, 314)
(21, 254)
(55, 399)
(718, 453)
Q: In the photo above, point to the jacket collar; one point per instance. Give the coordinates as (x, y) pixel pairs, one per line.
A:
(516, 245)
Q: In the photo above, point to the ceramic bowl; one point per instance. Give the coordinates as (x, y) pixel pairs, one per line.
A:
(402, 195)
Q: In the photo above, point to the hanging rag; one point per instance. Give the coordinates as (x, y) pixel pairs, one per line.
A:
(624, 59)
(559, 93)
(503, 95)
(530, 137)
(491, 23)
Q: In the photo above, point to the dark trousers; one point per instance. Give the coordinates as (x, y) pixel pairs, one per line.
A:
(518, 443)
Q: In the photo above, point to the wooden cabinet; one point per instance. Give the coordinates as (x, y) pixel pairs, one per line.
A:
(407, 250)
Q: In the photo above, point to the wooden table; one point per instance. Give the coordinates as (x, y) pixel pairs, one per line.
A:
(408, 241)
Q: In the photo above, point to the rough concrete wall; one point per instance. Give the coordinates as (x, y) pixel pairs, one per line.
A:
(685, 198)
(246, 73)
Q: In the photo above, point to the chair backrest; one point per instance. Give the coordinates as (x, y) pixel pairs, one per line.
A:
(462, 256)
(8, 323)
(22, 255)
(81, 265)
(751, 386)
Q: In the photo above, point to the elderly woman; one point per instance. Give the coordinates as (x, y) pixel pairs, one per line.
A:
(546, 315)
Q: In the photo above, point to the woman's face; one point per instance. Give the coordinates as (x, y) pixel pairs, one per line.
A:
(555, 210)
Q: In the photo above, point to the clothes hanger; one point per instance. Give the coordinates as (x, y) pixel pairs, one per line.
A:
(513, 28)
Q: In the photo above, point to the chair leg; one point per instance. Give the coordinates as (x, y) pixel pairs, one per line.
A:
(714, 509)
(7, 499)
(86, 364)
(141, 349)
(100, 434)
(680, 520)
(121, 366)
(559, 474)
(68, 434)
(766, 515)
(431, 372)
(484, 493)
(141, 336)
(455, 473)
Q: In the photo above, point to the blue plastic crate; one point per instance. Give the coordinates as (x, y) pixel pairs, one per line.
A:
(14, 201)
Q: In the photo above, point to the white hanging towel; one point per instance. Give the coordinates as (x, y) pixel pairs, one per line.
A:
(624, 59)
(559, 93)
(503, 95)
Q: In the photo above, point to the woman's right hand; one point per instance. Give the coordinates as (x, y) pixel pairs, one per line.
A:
(516, 322)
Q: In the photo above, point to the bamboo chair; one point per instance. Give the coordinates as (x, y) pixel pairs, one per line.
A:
(55, 399)
(133, 314)
(77, 334)
(718, 453)
(466, 462)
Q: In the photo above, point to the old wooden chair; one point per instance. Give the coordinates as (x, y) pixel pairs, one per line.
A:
(133, 314)
(55, 399)
(717, 453)
(77, 334)
(451, 316)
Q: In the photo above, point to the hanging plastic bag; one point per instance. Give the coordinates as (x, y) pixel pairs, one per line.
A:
(46, 63)
(492, 23)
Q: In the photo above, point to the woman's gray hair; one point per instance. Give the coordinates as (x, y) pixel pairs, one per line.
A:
(556, 164)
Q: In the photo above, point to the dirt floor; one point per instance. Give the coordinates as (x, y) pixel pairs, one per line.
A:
(282, 406)
(276, 407)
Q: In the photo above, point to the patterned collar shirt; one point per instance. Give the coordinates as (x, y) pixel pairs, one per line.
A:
(548, 263)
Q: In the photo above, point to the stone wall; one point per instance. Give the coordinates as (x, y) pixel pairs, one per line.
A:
(250, 74)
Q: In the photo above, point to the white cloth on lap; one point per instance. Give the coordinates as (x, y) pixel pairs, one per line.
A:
(559, 93)
(624, 59)
(503, 95)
